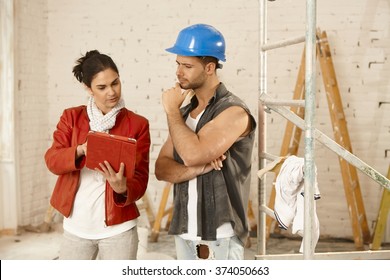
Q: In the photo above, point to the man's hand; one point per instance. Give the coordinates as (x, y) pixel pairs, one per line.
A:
(173, 98)
(217, 163)
(116, 180)
(213, 165)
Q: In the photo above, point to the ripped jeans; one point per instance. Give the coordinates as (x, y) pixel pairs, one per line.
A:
(221, 249)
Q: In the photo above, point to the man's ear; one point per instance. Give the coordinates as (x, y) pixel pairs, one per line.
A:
(210, 67)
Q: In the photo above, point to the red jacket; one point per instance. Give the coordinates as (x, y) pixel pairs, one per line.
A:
(72, 130)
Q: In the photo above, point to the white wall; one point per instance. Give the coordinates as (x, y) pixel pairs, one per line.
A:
(135, 34)
(31, 108)
(8, 192)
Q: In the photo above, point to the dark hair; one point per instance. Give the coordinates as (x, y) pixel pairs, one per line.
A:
(90, 64)
(207, 59)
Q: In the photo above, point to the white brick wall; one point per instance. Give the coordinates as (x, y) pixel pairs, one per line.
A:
(31, 109)
(135, 34)
(138, 46)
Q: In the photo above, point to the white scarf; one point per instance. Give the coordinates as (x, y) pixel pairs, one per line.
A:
(100, 122)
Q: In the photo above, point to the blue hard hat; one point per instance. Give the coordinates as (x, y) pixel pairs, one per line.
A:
(200, 40)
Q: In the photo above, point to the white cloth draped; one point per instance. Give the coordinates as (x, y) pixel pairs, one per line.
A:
(289, 200)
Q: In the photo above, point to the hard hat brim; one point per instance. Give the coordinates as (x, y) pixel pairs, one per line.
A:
(192, 52)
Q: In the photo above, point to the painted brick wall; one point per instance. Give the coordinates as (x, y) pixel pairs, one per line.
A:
(135, 34)
(32, 107)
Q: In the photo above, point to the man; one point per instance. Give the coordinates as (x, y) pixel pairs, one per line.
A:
(208, 151)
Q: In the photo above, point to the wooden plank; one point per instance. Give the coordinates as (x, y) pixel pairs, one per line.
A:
(354, 255)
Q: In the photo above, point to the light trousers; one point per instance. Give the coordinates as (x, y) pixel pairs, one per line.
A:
(123, 246)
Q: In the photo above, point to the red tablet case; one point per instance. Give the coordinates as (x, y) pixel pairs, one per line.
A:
(112, 148)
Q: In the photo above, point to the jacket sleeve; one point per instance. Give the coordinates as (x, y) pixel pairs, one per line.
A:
(136, 186)
(60, 158)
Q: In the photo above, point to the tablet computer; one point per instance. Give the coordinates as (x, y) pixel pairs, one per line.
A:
(112, 148)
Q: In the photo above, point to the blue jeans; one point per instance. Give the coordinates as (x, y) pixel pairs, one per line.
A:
(123, 246)
(221, 249)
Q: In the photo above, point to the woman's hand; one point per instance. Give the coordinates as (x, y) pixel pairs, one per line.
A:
(81, 150)
(116, 180)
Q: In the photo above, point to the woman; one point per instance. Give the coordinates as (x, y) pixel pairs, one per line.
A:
(99, 206)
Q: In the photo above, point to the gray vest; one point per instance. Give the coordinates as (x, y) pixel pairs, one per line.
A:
(222, 195)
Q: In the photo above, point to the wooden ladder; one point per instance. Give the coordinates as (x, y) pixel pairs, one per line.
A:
(161, 213)
(381, 221)
(360, 230)
(146, 205)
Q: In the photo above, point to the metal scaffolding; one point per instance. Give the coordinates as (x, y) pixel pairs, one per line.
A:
(311, 134)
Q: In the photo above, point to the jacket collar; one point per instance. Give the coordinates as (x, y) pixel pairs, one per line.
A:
(219, 93)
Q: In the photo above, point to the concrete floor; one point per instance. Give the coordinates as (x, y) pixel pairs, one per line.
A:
(45, 245)
(30, 245)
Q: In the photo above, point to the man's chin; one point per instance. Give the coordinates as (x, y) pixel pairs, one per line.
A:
(184, 86)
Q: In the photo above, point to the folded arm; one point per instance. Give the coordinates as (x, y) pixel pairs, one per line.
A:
(212, 140)
(169, 170)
